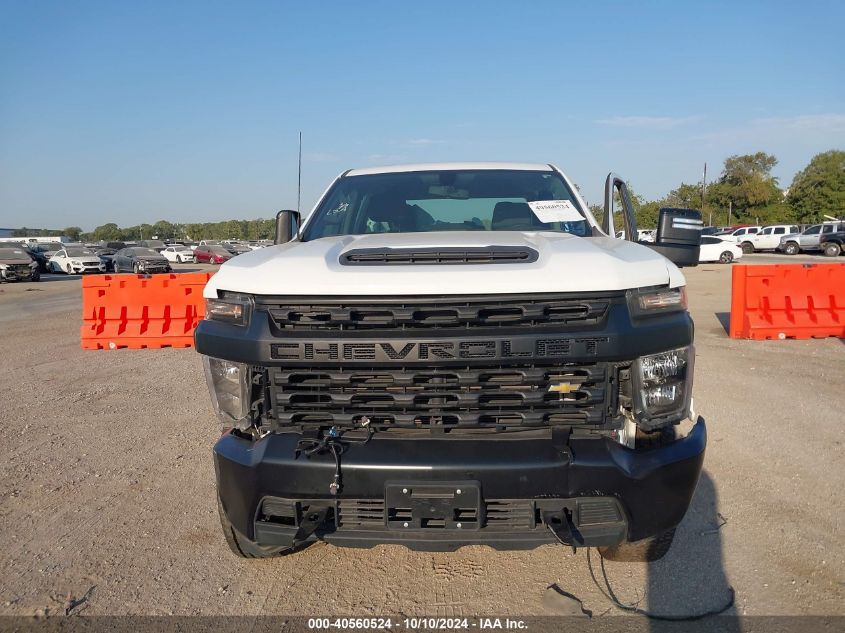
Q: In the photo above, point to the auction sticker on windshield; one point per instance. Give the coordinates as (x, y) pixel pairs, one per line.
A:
(555, 211)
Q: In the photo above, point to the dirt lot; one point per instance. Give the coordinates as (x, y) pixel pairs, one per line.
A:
(107, 488)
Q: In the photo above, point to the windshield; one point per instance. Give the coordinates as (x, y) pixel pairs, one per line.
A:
(13, 253)
(79, 252)
(449, 200)
(219, 250)
(146, 252)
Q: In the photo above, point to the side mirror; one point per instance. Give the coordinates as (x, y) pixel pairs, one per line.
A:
(612, 184)
(287, 226)
(678, 236)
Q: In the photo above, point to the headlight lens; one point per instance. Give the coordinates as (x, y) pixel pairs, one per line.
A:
(75, 263)
(645, 302)
(228, 384)
(233, 308)
(663, 387)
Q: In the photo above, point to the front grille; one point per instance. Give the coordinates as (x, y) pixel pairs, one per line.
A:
(479, 396)
(499, 514)
(421, 313)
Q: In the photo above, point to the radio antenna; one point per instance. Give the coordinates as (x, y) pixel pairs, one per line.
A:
(299, 176)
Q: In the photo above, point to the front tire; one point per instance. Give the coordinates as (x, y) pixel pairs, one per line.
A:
(647, 550)
(727, 257)
(69, 269)
(791, 249)
(747, 247)
(243, 547)
(831, 249)
(136, 268)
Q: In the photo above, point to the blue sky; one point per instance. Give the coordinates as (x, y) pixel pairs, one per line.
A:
(137, 111)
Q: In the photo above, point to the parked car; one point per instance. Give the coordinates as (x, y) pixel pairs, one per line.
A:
(718, 249)
(156, 245)
(833, 242)
(114, 245)
(76, 260)
(212, 254)
(768, 238)
(42, 254)
(235, 248)
(139, 259)
(105, 255)
(16, 264)
(178, 254)
(810, 239)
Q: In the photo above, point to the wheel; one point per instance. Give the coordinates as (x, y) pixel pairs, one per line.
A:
(645, 551)
(136, 268)
(831, 249)
(69, 269)
(194, 260)
(727, 257)
(747, 247)
(243, 547)
(179, 259)
(791, 248)
(36, 275)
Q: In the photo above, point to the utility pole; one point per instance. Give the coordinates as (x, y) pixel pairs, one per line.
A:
(299, 176)
(703, 187)
(730, 210)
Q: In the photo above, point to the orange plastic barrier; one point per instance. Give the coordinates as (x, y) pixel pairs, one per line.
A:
(138, 311)
(788, 301)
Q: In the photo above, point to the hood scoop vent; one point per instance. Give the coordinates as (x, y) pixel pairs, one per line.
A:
(438, 256)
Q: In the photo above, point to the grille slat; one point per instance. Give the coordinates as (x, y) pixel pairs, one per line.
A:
(469, 396)
(478, 312)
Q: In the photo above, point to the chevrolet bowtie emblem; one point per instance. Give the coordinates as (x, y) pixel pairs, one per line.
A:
(562, 387)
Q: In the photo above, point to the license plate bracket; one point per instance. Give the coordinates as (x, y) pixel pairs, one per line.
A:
(442, 505)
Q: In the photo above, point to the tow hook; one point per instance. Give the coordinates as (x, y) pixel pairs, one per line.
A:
(311, 520)
(560, 524)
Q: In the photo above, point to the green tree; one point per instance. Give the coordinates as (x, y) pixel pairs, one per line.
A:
(164, 230)
(686, 196)
(73, 232)
(107, 232)
(746, 182)
(819, 188)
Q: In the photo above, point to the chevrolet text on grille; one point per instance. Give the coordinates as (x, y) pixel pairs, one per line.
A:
(388, 351)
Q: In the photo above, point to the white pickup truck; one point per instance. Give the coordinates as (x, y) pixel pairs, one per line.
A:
(455, 354)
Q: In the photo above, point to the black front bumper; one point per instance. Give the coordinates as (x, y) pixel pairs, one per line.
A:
(607, 493)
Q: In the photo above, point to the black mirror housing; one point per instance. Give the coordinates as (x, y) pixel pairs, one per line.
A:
(288, 222)
(678, 236)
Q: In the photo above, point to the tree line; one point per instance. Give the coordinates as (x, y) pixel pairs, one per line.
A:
(745, 192)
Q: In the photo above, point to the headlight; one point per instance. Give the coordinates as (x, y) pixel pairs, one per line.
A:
(663, 387)
(75, 263)
(649, 301)
(228, 384)
(233, 308)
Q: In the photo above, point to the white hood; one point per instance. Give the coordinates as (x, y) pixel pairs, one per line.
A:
(566, 263)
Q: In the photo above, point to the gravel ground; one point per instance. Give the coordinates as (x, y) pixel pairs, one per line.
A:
(107, 490)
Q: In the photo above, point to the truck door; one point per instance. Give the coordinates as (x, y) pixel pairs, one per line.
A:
(809, 239)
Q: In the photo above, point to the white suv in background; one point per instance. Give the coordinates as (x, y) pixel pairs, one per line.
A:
(768, 238)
